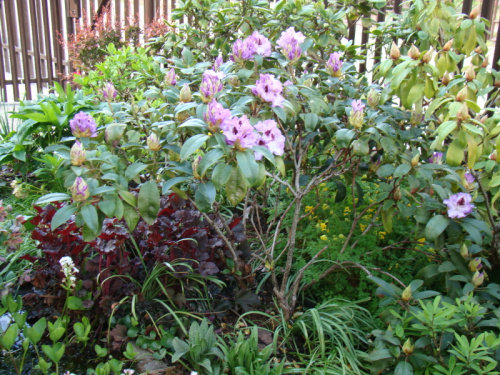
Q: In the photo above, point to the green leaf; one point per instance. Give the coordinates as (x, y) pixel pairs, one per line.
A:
(62, 216)
(403, 368)
(53, 197)
(75, 303)
(128, 197)
(264, 151)
(134, 169)
(236, 187)
(114, 132)
(435, 227)
(149, 201)
(248, 166)
(35, 333)
(107, 206)
(131, 216)
(208, 160)
(310, 121)
(402, 170)
(193, 144)
(57, 333)
(221, 174)
(455, 153)
(89, 214)
(55, 352)
(387, 219)
(9, 337)
(388, 288)
(167, 185)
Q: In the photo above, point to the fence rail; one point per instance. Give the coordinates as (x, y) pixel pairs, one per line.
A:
(32, 59)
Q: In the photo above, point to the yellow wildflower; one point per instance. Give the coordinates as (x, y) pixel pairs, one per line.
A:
(323, 226)
(362, 227)
(341, 236)
(309, 208)
(322, 184)
(323, 237)
(325, 206)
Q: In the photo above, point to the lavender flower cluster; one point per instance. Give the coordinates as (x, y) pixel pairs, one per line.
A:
(241, 134)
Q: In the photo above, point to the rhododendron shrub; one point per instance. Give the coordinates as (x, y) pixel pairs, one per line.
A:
(275, 111)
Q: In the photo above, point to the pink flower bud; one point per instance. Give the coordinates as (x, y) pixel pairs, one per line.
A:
(153, 142)
(185, 94)
(170, 78)
(109, 92)
(79, 190)
(77, 154)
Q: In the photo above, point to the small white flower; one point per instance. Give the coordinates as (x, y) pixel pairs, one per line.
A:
(193, 373)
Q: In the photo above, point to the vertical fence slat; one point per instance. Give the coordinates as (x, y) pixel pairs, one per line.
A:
(118, 12)
(136, 12)
(496, 55)
(56, 26)
(36, 46)
(364, 41)
(397, 6)
(10, 15)
(172, 7)
(149, 11)
(48, 47)
(378, 42)
(127, 13)
(467, 6)
(3, 86)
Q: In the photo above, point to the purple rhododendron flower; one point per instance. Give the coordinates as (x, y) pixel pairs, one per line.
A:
(357, 106)
(271, 138)
(459, 205)
(215, 115)
(436, 158)
(210, 85)
(256, 44)
(237, 51)
(469, 178)
(289, 43)
(269, 89)
(218, 62)
(334, 65)
(239, 131)
(83, 125)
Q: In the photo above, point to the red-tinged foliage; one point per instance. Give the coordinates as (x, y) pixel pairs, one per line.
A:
(180, 232)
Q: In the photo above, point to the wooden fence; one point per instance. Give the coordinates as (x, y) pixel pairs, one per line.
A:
(32, 59)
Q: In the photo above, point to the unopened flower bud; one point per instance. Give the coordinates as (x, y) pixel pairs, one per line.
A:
(478, 278)
(475, 264)
(470, 73)
(185, 94)
(446, 79)
(77, 154)
(493, 155)
(182, 116)
(428, 55)
(395, 53)
(485, 62)
(373, 98)
(408, 347)
(462, 95)
(396, 195)
(463, 113)
(195, 164)
(406, 295)
(9, 208)
(234, 81)
(464, 251)
(414, 53)
(448, 45)
(415, 160)
(170, 78)
(109, 92)
(475, 12)
(153, 142)
(79, 190)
